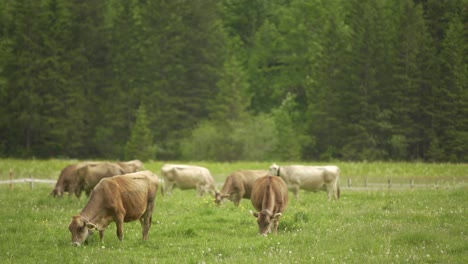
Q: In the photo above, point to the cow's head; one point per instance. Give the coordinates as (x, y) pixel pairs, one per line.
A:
(274, 170)
(220, 197)
(80, 229)
(266, 221)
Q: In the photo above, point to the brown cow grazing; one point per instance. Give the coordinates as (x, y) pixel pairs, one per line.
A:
(69, 181)
(270, 198)
(90, 174)
(65, 179)
(238, 185)
(131, 166)
(118, 199)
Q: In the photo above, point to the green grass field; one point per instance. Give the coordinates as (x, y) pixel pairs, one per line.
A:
(424, 225)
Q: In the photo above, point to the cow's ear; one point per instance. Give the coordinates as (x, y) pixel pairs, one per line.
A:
(255, 214)
(91, 226)
(277, 215)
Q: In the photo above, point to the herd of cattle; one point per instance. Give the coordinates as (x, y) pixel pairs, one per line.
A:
(124, 191)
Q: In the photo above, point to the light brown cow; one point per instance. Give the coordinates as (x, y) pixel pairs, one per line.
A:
(238, 185)
(188, 177)
(270, 198)
(118, 199)
(90, 174)
(131, 166)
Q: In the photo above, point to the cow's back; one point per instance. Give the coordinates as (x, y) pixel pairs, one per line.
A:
(131, 192)
(131, 166)
(188, 178)
(94, 173)
(295, 173)
(248, 178)
(270, 190)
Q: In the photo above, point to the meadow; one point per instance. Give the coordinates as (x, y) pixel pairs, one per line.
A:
(419, 225)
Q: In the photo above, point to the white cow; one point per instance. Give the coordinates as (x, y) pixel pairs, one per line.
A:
(309, 178)
(188, 177)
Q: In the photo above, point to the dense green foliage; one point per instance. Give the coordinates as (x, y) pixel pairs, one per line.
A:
(235, 79)
(376, 226)
(140, 144)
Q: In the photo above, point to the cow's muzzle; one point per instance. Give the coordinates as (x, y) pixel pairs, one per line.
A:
(76, 244)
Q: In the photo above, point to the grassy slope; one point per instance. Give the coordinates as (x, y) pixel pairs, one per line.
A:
(362, 227)
(377, 227)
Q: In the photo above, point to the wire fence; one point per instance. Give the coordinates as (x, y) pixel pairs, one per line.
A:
(29, 180)
(348, 185)
(390, 184)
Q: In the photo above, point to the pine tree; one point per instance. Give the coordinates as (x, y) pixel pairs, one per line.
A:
(452, 124)
(327, 81)
(140, 145)
(364, 110)
(406, 95)
(22, 90)
(126, 76)
(289, 137)
(231, 101)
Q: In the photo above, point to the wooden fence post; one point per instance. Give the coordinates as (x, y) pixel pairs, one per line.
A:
(349, 182)
(31, 183)
(365, 182)
(389, 183)
(411, 183)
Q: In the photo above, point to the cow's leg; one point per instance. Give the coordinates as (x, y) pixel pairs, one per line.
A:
(119, 223)
(78, 190)
(146, 219)
(275, 227)
(276, 219)
(168, 187)
(212, 190)
(207, 189)
(88, 192)
(200, 190)
(295, 191)
(101, 235)
(236, 198)
(239, 195)
(330, 191)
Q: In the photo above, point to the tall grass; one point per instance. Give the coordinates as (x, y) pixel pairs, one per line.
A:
(384, 226)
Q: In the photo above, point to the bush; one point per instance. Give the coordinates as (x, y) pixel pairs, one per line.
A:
(250, 139)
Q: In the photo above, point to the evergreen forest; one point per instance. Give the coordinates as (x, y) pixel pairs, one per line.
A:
(231, 80)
